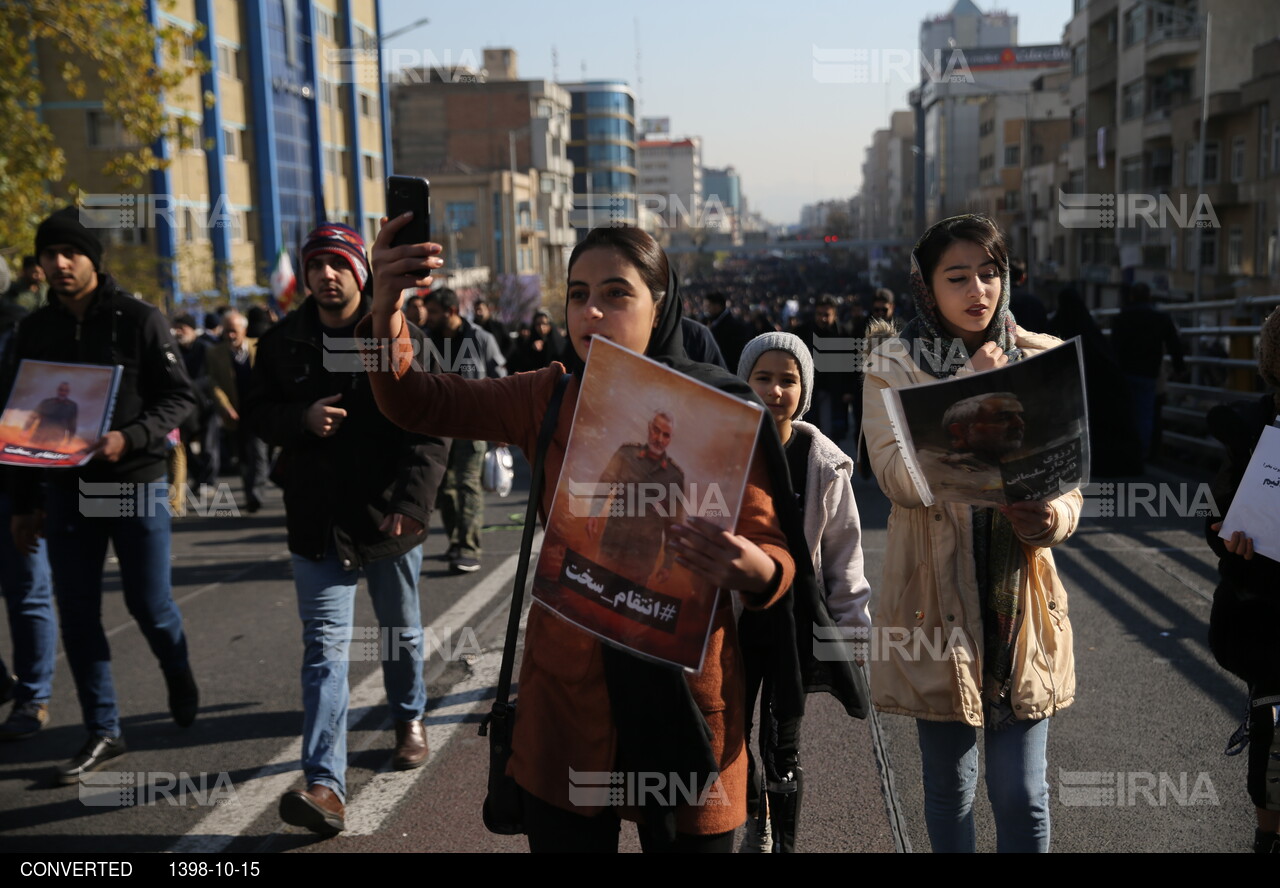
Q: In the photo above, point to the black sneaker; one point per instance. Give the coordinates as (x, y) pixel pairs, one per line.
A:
(1265, 842)
(95, 754)
(25, 720)
(184, 697)
(464, 564)
(451, 554)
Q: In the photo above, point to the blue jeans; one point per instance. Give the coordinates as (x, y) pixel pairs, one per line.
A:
(77, 553)
(27, 586)
(1016, 784)
(326, 604)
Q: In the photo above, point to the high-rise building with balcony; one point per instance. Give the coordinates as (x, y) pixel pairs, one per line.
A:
(287, 128)
(670, 182)
(602, 147)
(457, 128)
(1139, 80)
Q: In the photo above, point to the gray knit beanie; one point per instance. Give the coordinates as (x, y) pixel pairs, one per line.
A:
(792, 345)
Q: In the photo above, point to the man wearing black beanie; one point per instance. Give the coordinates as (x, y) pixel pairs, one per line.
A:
(90, 320)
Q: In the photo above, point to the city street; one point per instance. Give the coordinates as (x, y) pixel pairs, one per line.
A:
(1135, 764)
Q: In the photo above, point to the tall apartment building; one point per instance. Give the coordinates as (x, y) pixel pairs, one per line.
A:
(602, 147)
(967, 25)
(459, 128)
(670, 183)
(1039, 117)
(888, 182)
(950, 108)
(294, 133)
(1137, 100)
(722, 194)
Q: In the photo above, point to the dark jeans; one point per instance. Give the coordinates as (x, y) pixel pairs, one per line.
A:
(203, 467)
(553, 830)
(77, 552)
(252, 453)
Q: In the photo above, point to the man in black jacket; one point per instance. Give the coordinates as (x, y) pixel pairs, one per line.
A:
(731, 334)
(90, 320)
(357, 492)
(1140, 335)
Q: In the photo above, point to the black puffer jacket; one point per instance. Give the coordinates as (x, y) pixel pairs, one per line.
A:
(1244, 625)
(337, 490)
(154, 396)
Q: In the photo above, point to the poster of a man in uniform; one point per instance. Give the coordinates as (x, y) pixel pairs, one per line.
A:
(55, 413)
(649, 448)
(1001, 436)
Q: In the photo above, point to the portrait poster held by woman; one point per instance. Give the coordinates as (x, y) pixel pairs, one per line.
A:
(583, 705)
(978, 582)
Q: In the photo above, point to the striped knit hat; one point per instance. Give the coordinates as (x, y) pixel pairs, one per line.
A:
(342, 240)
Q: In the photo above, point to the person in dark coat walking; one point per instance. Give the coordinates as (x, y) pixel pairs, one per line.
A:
(358, 492)
(1244, 624)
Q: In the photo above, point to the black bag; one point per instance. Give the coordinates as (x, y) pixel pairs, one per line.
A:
(502, 811)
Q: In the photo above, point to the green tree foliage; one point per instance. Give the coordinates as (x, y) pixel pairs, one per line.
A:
(103, 50)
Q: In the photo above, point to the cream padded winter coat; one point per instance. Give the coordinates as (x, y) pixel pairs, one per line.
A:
(927, 651)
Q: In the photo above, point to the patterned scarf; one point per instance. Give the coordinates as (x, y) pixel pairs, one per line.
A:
(941, 352)
(997, 553)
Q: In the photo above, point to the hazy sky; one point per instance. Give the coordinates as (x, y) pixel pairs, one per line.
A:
(738, 74)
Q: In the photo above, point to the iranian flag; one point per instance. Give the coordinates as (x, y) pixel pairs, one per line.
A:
(283, 282)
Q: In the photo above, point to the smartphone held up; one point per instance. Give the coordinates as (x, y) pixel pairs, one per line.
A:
(410, 194)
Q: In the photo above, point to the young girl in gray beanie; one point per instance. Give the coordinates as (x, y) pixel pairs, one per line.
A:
(780, 370)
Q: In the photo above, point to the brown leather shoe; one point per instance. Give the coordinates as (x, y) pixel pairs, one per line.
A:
(318, 809)
(411, 745)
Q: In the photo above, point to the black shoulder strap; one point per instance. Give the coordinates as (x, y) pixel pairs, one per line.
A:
(549, 421)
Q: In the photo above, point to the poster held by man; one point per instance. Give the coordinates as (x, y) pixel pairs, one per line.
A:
(56, 413)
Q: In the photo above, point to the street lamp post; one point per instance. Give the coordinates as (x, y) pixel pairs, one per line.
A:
(405, 30)
(1201, 157)
(515, 218)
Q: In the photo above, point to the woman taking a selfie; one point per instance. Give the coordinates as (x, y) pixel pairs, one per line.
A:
(987, 572)
(583, 705)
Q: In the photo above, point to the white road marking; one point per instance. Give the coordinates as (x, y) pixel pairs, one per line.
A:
(261, 792)
(383, 794)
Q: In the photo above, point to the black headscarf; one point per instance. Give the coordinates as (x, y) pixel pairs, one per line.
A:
(660, 728)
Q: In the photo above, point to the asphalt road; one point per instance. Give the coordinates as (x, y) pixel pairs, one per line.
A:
(1135, 764)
